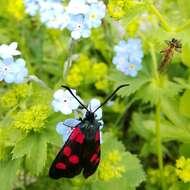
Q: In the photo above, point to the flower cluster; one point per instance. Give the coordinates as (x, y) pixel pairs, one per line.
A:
(78, 76)
(11, 70)
(111, 166)
(32, 119)
(116, 8)
(14, 95)
(79, 16)
(183, 169)
(64, 102)
(169, 174)
(128, 56)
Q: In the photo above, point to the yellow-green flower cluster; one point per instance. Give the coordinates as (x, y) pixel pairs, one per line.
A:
(111, 166)
(33, 119)
(85, 71)
(132, 28)
(13, 96)
(116, 8)
(169, 174)
(14, 10)
(183, 169)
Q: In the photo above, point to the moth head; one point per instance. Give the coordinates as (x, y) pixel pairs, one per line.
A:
(90, 116)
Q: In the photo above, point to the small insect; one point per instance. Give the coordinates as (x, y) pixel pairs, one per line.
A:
(81, 152)
(173, 45)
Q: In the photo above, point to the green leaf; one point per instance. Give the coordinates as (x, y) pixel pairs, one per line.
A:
(185, 54)
(169, 131)
(135, 83)
(134, 171)
(36, 159)
(158, 89)
(8, 171)
(185, 104)
(170, 107)
(184, 150)
(34, 147)
(23, 147)
(184, 6)
(179, 185)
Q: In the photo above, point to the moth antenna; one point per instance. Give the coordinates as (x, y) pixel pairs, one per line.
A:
(109, 97)
(66, 87)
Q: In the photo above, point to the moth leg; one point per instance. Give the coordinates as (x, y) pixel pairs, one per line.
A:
(178, 50)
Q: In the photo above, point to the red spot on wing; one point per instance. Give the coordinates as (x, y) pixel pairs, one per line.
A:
(60, 166)
(74, 133)
(97, 135)
(95, 159)
(67, 151)
(74, 159)
(97, 149)
(80, 138)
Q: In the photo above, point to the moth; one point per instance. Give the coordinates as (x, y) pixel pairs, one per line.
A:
(81, 152)
(173, 45)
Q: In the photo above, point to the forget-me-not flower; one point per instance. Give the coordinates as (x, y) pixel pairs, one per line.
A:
(8, 51)
(64, 102)
(53, 14)
(76, 7)
(79, 16)
(128, 56)
(91, 1)
(32, 6)
(13, 71)
(95, 14)
(78, 27)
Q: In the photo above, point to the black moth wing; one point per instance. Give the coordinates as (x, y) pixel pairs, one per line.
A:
(68, 162)
(91, 153)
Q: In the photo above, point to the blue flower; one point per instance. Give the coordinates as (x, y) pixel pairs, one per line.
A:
(128, 57)
(78, 27)
(76, 7)
(32, 6)
(95, 14)
(63, 130)
(13, 72)
(79, 16)
(19, 70)
(121, 48)
(53, 15)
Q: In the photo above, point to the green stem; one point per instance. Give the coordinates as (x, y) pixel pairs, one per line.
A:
(156, 12)
(159, 146)
(184, 26)
(68, 63)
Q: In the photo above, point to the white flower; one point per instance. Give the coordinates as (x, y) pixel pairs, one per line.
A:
(77, 7)
(13, 71)
(95, 103)
(91, 1)
(8, 51)
(64, 102)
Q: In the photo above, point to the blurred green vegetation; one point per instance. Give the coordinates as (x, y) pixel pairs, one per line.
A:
(146, 129)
